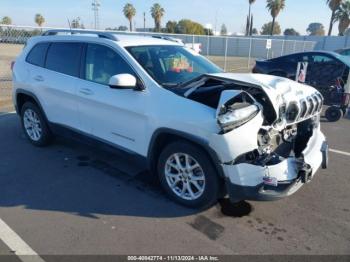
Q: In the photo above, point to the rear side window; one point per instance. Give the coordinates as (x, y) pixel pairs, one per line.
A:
(64, 58)
(37, 54)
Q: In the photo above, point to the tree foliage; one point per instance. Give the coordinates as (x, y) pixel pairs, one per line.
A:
(39, 20)
(342, 15)
(223, 30)
(76, 23)
(275, 7)
(333, 5)
(6, 20)
(290, 31)
(170, 27)
(129, 12)
(249, 25)
(267, 28)
(316, 29)
(255, 31)
(186, 26)
(157, 13)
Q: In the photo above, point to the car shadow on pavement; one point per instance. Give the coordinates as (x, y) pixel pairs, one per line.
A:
(72, 177)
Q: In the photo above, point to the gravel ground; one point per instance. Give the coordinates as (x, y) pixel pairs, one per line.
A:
(8, 52)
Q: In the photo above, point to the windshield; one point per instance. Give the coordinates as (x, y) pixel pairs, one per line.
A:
(171, 66)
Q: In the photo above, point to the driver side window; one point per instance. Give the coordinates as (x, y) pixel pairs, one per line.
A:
(322, 59)
(102, 63)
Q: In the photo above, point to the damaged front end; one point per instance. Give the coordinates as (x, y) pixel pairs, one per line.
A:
(268, 149)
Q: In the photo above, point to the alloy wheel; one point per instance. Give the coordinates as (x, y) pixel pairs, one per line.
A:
(185, 176)
(32, 124)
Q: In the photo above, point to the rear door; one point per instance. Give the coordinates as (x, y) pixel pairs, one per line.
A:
(59, 82)
(323, 72)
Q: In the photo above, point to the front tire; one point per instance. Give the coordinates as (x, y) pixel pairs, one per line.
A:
(188, 176)
(34, 125)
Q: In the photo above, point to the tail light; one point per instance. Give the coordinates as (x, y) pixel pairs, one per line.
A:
(12, 65)
(346, 99)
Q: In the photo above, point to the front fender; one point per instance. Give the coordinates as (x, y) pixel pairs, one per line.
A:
(237, 142)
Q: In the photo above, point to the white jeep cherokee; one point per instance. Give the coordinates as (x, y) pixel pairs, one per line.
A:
(205, 132)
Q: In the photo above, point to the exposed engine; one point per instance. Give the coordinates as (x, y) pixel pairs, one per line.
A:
(283, 134)
(274, 146)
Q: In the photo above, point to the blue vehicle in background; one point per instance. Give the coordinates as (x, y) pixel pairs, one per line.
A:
(328, 72)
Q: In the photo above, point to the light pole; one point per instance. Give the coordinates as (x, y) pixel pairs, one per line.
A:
(96, 7)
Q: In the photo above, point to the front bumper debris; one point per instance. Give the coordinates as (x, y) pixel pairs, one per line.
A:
(267, 183)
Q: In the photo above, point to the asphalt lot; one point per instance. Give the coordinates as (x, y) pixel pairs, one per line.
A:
(71, 198)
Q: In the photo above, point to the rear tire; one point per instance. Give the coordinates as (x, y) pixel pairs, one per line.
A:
(34, 125)
(188, 176)
(334, 113)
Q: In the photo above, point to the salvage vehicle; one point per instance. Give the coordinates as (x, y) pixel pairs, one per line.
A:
(327, 71)
(205, 133)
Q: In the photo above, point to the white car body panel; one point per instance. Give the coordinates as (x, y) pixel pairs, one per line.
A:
(251, 175)
(227, 145)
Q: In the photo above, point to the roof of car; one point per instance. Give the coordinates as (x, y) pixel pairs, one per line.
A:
(136, 40)
(121, 39)
(314, 52)
(331, 53)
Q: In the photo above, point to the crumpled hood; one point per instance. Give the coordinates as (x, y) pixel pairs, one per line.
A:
(279, 90)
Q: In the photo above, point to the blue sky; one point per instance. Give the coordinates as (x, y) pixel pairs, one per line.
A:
(298, 13)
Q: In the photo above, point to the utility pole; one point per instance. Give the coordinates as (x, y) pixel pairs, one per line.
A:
(144, 21)
(96, 8)
(216, 21)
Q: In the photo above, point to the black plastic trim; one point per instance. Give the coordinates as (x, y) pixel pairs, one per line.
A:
(260, 193)
(33, 96)
(68, 132)
(190, 137)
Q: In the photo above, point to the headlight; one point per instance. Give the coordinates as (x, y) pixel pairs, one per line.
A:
(234, 118)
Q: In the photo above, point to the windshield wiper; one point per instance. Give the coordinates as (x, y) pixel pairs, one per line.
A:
(170, 84)
(183, 83)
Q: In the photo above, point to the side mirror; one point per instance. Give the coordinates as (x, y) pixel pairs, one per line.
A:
(123, 81)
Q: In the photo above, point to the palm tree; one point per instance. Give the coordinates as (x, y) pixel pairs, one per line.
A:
(333, 5)
(249, 25)
(39, 20)
(342, 15)
(275, 7)
(6, 20)
(129, 12)
(157, 13)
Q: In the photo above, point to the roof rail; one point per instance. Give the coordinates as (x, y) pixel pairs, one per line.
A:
(101, 34)
(169, 38)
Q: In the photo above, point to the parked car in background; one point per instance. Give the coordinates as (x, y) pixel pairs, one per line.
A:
(197, 47)
(344, 51)
(327, 71)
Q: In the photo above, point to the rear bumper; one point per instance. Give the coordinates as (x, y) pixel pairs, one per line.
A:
(268, 183)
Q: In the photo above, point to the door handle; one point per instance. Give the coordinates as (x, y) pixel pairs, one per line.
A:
(86, 91)
(39, 78)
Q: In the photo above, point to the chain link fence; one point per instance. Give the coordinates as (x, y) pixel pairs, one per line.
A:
(233, 54)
